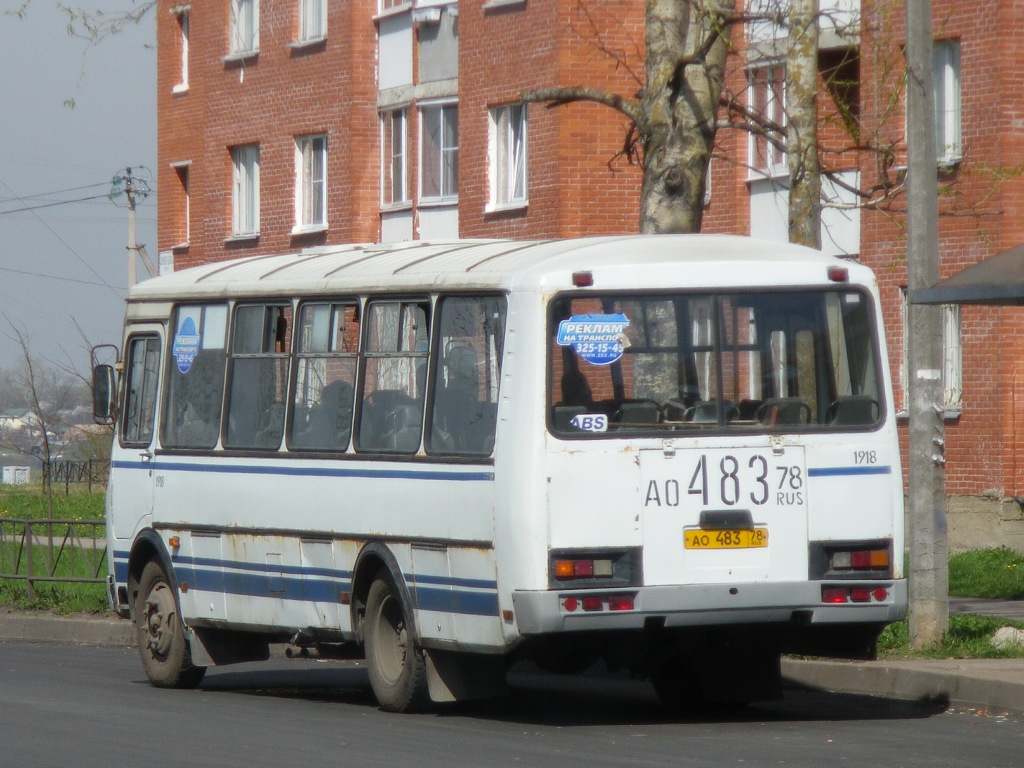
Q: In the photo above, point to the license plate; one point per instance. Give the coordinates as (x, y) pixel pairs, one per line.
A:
(746, 538)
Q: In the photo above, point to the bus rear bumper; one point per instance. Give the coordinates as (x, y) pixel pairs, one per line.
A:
(703, 605)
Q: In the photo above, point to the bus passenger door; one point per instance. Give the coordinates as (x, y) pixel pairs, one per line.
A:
(132, 459)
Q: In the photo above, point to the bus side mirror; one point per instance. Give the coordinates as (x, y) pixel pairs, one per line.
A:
(104, 389)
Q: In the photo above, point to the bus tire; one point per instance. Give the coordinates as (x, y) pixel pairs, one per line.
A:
(396, 665)
(165, 654)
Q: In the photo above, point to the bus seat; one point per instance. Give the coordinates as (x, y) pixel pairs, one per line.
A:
(852, 410)
(784, 410)
(706, 412)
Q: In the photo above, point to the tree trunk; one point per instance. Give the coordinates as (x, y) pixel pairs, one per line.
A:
(686, 52)
(802, 124)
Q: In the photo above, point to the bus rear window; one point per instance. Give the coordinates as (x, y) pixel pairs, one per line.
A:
(787, 360)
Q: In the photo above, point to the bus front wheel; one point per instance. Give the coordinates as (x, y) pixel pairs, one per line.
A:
(396, 665)
(161, 636)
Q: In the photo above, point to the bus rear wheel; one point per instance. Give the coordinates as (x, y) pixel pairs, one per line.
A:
(396, 665)
(165, 654)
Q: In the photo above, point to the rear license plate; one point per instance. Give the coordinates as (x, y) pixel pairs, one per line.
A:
(747, 538)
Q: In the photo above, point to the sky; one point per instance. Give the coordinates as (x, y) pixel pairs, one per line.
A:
(63, 241)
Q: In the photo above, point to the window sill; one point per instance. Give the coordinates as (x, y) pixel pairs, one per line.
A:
(242, 238)
(516, 205)
(396, 11)
(439, 202)
(180, 246)
(308, 229)
(397, 207)
(304, 45)
(179, 89)
(493, 5)
(241, 56)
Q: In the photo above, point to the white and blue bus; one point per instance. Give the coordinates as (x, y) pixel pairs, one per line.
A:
(675, 454)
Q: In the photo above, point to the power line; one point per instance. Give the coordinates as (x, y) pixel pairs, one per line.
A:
(55, 192)
(65, 243)
(54, 277)
(53, 204)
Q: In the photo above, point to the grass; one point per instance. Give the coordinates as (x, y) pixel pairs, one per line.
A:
(987, 573)
(29, 503)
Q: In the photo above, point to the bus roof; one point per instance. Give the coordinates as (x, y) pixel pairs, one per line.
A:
(624, 262)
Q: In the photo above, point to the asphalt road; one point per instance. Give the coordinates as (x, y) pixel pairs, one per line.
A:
(66, 705)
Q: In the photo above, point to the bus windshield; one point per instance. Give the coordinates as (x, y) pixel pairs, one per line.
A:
(783, 360)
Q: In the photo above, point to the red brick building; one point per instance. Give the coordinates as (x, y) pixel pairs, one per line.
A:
(285, 124)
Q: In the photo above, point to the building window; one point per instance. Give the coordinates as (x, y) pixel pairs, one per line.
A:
(952, 363)
(507, 155)
(245, 26)
(767, 92)
(394, 158)
(312, 20)
(383, 6)
(182, 15)
(946, 69)
(310, 182)
(182, 203)
(246, 191)
(439, 160)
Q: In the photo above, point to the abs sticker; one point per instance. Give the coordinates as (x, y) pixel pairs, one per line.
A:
(590, 422)
(598, 339)
(186, 345)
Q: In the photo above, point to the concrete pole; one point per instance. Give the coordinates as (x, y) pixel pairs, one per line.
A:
(129, 191)
(929, 545)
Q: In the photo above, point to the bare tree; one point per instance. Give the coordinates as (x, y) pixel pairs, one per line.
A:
(46, 398)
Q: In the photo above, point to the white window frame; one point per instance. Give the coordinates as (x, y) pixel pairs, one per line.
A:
(445, 162)
(310, 183)
(245, 198)
(946, 69)
(766, 95)
(312, 20)
(952, 358)
(508, 157)
(394, 158)
(182, 14)
(245, 27)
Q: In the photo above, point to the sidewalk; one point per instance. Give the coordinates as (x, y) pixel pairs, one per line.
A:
(993, 685)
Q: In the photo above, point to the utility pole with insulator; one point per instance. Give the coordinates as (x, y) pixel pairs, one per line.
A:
(929, 544)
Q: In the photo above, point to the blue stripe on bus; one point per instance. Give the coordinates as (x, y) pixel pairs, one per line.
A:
(475, 597)
(848, 471)
(256, 469)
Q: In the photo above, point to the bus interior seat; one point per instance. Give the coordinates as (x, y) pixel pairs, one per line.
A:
(853, 410)
(330, 420)
(784, 410)
(637, 412)
(706, 412)
(390, 421)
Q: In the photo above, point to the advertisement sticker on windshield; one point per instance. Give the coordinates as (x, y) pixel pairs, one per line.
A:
(186, 345)
(598, 339)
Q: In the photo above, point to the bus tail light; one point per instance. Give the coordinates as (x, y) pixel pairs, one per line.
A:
(594, 603)
(836, 595)
(598, 570)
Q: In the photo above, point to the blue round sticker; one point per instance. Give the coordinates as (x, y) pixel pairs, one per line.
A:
(186, 345)
(596, 338)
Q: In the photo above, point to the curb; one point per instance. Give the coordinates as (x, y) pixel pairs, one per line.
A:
(80, 629)
(993, 685)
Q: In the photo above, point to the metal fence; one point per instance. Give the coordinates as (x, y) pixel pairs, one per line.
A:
(51, 550)
(93, 473)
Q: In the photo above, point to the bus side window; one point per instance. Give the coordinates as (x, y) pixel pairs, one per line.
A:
(143, 372)
(394, 373)
(466, 376)
(195, 384)
(259, 376)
